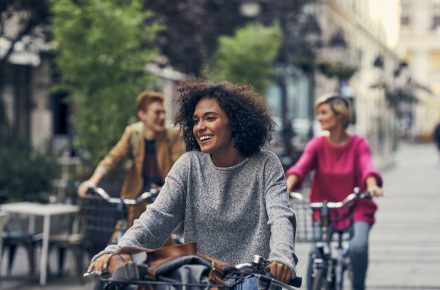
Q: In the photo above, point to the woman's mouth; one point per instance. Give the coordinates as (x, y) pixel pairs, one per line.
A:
(205, 138)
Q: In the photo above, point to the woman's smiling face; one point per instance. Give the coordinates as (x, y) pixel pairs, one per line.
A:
(328, 119)
(211, 128)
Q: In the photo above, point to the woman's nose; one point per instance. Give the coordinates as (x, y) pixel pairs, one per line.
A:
(200, 126)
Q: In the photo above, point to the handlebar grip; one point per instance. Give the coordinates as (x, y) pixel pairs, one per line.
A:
(90, 191)
(295, 282)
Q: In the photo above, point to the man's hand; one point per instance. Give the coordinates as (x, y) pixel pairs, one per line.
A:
(281, 272)
(82, 189)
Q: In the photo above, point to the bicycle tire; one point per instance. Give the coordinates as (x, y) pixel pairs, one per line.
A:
(320, 281)
(347, 277)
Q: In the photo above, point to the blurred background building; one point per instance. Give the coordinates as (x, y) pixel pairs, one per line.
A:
(383, 56)
(419, 44)
(354, 54)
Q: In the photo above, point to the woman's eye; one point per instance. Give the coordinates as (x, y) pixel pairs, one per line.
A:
(195, 121)
(211, 118)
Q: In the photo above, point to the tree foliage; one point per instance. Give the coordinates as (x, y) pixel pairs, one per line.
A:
(103, 47)
(23, 20)
(247, 56)
(193, 27)
(24, 173)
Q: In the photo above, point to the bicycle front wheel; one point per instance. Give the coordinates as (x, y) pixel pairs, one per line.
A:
(320, 281)
(347, 277)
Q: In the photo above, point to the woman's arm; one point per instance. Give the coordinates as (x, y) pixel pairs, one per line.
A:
(281, 217)
(370, 177)
(157, 222)
(291, 180)
(307, 162)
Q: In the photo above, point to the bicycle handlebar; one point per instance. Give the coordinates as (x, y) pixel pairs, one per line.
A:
(146, 196)
(356, 194)
(258, 267)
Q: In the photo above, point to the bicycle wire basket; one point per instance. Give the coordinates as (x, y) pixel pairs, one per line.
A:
(98, 218)
(108, 284)
(340, 219)
(304, 228)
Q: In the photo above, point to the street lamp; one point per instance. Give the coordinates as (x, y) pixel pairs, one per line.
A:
(312, 34)
(250, 8)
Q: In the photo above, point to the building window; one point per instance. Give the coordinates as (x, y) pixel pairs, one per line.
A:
(405, 18)
(435, 16)
(435, 59)
(409, 55)
(60, 114)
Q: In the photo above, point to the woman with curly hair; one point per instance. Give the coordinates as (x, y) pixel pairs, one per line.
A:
(230, 193)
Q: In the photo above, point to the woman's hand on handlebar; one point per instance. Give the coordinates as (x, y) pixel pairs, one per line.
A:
(375, 191)
(373, 188)
(280, 272)
(100, 265)
(291, 181)
(84, 186)
(108, 263)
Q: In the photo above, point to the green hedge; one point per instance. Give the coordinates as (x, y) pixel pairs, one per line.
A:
(24, 173)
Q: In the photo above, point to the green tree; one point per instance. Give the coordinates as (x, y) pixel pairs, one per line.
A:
(25, 174)
(247, 57)
(102, 49)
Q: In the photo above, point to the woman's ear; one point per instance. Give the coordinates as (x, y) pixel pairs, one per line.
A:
(340, 118)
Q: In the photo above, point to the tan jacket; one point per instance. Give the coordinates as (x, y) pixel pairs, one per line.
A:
(169, 146)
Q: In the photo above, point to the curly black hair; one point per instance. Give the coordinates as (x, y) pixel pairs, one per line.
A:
(249, 120)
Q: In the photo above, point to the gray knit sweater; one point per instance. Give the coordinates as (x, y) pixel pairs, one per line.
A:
(232, 213)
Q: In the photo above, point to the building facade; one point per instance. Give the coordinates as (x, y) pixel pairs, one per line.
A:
(356, 35)
(419, 43)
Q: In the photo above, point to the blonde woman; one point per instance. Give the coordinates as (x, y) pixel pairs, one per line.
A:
(340, 161)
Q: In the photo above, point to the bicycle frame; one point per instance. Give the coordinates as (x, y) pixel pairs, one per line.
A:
(330, 260)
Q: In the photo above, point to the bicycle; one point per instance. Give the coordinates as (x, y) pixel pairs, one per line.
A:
(135, 274)
(330, 262)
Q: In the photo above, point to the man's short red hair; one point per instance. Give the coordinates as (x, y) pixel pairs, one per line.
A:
(144, 99)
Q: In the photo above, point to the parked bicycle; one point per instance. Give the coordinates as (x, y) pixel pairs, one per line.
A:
(331, 268)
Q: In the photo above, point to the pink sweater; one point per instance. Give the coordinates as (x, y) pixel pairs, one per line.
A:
(337, 171)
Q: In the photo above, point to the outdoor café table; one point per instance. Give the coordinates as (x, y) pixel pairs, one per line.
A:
(46, 211)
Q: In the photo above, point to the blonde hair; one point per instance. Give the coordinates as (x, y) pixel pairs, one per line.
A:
(338, 104)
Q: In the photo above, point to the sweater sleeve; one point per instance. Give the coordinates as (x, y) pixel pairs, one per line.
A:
(161, 217)
(306, 163)
(281, 217)
(367, 168)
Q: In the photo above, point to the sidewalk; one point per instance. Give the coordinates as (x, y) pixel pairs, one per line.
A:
(404, 243)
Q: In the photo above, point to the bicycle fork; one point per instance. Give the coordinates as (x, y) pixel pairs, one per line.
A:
(341, 265)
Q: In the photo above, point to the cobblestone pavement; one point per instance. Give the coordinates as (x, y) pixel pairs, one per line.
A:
(404, 243)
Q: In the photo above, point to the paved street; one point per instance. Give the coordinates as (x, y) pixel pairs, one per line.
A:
(405, 242)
